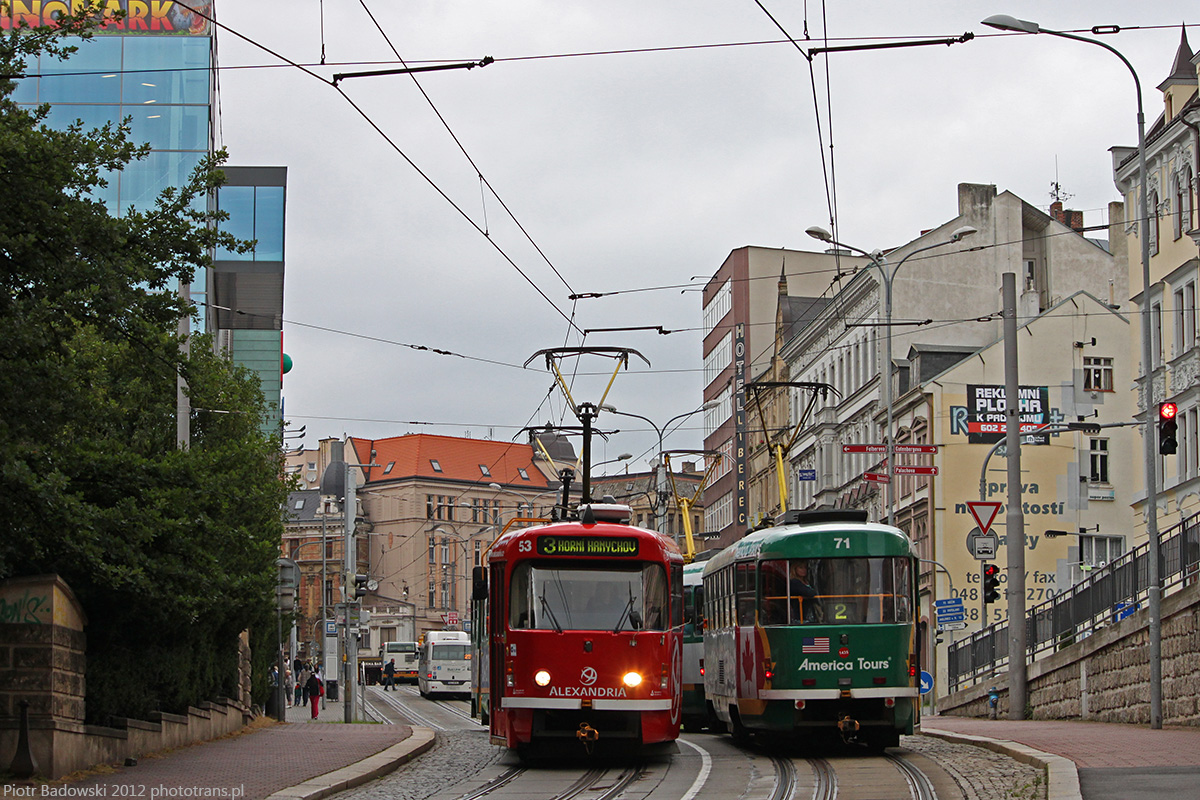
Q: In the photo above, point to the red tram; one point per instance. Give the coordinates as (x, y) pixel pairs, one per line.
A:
(579, 647)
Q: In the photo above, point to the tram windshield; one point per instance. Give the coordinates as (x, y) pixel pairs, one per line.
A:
(577, 599)
(835, 591)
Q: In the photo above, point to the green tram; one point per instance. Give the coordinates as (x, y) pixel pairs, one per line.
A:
(811, 630)
(695, 711)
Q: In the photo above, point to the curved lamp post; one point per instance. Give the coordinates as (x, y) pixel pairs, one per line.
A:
(1004, 22)
(888, 274)
(660, 511)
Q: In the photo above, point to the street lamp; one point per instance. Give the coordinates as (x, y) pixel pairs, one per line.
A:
(660, 512)
(622, 457)
(1004, 22)
(879, 262)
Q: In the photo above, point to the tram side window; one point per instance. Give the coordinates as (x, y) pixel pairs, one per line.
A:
(727, 597)
(519, 606)
(773, 591)
(745, 593)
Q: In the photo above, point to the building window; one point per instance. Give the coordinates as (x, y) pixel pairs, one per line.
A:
(1152, 223)
(1185, 318)
(389, 467)
(487, 473)
(718, 307)
(478, 553)
(1099, 551)
(720, 357)
(719, 515)
(1099, 460)
(1156, 338)
(433, 462)
(432, 553)
(524, 475)
(1097, 374)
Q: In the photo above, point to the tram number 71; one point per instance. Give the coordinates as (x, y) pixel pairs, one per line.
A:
(841, 541)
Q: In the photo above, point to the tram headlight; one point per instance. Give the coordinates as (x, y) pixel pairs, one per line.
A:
(632, 679)
(541, 677)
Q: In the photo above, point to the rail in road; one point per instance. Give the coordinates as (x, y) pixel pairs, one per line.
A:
(465, 766)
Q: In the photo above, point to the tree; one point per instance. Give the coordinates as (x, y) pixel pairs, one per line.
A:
(170, 551)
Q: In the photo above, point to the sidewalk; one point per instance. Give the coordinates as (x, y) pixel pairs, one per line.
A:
(297, 760)
(1090, 760)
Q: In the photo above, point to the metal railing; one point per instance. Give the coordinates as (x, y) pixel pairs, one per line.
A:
(1106, 596)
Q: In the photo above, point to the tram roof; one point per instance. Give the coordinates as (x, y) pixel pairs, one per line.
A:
(815, 541)
(666, 548)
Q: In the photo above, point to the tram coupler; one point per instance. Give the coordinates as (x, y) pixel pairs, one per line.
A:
(848, 727)
(586, 733)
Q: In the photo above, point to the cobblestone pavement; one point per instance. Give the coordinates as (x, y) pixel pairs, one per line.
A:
(980, 773)
(459, 755)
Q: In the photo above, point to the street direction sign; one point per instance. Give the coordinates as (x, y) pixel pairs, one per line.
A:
(950, 617)
(882, 448)
(984, 509)
(926, 682)
(806, 474)
(951, 626)
(875, 477)
(948, 602)
(905, 469)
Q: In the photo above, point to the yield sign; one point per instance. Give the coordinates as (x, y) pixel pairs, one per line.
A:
(984, 509)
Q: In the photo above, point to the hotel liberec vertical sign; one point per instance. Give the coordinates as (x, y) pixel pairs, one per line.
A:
(986, 408)
(739, 418)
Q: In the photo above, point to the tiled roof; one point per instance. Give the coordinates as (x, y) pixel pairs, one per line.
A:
(456, 459)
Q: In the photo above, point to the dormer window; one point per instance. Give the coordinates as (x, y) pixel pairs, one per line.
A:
(433, 462)
(487, 473)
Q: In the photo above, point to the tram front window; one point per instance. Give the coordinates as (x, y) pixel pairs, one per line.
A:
(839, 591)
(578, 599)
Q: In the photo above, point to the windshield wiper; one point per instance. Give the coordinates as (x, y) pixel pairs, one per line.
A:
(550, 613)
(635, 619)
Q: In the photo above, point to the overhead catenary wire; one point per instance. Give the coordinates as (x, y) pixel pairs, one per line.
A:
(391, 142)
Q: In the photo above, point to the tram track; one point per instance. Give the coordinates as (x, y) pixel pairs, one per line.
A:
(785, 778)
(919, 783)
(825, 783)
(407, 711)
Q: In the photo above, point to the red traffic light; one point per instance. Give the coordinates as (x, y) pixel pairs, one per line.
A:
(1167, 410)
(990, 570)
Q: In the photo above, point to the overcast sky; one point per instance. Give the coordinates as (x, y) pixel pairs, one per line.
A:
(634, 173)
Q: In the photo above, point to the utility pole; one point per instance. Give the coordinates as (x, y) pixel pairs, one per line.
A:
(1014, 517)
(350, 665)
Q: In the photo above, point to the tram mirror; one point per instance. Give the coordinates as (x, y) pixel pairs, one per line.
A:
(479, 588)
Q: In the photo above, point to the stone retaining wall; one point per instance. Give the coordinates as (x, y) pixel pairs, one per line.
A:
(43, 662)
(1105, 677)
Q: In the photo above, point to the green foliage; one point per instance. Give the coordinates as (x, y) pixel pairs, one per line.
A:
(170, 551)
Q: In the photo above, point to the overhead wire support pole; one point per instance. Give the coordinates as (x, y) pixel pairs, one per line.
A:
(340, 76)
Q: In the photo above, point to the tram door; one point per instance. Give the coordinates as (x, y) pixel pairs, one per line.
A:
(498, 617)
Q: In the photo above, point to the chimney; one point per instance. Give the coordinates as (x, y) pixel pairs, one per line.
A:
(1072, 219)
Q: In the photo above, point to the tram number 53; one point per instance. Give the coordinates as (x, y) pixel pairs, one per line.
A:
(525, 546)
(841, 541)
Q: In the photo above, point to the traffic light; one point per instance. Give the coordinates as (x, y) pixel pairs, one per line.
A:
(991, 583)
(360, 586)
(1167, 425)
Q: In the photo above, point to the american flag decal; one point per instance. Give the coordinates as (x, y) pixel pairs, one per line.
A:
(814, 644)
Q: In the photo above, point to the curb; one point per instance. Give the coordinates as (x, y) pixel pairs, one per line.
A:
(1062, 777)
(369, 768)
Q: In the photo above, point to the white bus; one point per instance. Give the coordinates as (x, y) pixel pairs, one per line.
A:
(445, 663)
(405, 654)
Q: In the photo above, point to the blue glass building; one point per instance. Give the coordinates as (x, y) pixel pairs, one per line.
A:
(158, 70)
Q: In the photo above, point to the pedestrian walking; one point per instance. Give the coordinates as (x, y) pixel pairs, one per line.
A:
(389, 676)
(315, 689)
(288, 686)
(302, 680)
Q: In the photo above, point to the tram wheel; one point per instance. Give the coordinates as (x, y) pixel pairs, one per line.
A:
(737, 730)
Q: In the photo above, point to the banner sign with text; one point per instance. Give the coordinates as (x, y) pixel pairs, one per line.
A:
(986, 408)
